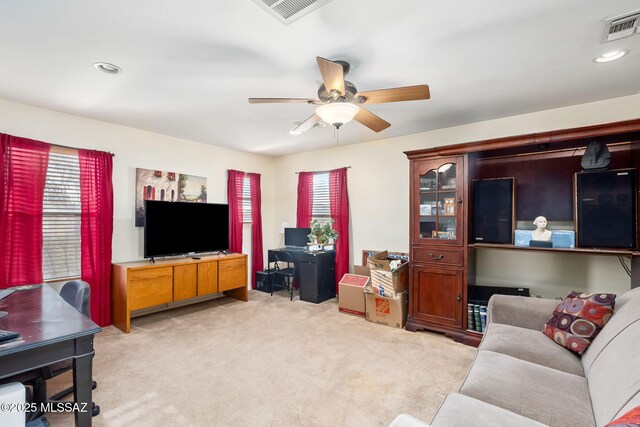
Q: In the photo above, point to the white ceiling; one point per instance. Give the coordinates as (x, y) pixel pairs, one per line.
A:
(189, 66)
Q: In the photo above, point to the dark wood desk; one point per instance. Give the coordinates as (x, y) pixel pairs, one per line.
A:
(315, 273)
(52, 331)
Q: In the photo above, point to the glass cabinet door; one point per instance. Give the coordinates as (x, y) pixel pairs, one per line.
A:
(438, 201)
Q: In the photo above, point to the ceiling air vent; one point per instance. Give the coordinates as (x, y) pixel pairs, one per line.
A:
(621, 26)
(287, 11)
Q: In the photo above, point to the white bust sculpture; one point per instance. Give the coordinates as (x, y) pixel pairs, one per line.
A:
(541, 232)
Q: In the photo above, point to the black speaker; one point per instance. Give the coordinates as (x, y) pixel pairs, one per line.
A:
(606, 208)
(493, 210)
(263, 281)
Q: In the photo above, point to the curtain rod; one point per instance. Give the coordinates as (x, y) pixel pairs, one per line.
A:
(346, 167)
(66, 147)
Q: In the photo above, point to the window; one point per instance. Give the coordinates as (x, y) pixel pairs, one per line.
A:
(321, 204)
(246, 200)
(61, 218)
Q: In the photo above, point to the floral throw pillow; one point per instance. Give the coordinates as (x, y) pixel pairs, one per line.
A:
(630, 419)
(578, 319)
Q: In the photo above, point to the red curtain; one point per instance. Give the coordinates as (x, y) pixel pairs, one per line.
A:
(96, 229)
(234, 198)
(305, 199)
(339, 205)
(23, 165)
(257, 261)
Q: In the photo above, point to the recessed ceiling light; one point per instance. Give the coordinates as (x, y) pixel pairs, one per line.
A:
(611, 56)
(108, 68)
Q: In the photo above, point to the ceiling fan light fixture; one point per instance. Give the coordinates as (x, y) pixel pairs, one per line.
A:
(337, 113)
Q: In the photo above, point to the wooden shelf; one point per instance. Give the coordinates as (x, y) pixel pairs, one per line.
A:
(442, 269)
(595, 251)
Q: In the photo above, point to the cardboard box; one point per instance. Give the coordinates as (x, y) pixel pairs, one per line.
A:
(381, 261)
(385, 282)
(361, 270)
(386, 311)
(351, 294)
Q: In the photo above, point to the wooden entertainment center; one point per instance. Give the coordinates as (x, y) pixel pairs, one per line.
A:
(142, 284)
(544, 167)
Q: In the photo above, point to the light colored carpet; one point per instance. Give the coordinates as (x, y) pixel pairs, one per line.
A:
(269, 362)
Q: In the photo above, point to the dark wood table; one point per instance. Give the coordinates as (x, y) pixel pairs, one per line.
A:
(51, 331)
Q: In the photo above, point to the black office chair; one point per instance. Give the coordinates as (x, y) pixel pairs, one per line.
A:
(78, 294)
(286, 274)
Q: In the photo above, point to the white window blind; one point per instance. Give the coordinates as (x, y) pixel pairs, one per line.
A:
(61, 218)
(321, 204)
(246, 200)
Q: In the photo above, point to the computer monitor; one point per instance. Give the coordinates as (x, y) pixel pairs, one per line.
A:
(296, 236)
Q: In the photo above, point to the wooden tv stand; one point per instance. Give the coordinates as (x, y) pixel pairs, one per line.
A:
(142, 284)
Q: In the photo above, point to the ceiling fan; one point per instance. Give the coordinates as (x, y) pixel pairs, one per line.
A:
(340, 102)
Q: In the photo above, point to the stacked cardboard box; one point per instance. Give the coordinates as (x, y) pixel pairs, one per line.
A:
(386, 297)
(351, 294)
(385, 310)
(388, 276)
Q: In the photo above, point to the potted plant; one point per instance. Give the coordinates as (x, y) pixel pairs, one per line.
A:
(322, 234)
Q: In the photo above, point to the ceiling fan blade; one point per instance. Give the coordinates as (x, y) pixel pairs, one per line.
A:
(282, 101)
(332, 74)
(406, 93)
(371, 121)
(306, 125)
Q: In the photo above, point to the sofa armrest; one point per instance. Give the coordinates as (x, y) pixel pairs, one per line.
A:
(405, 420)
(530, 313)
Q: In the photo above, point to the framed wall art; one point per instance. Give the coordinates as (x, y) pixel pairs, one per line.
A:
(169, 186)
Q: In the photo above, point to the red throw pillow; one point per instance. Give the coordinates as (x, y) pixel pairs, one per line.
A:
(578, 319)
(630, 419)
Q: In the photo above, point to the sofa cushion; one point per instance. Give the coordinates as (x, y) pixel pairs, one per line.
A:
(579, 318)
(614, 376)
(534, 391)
(630, 419)
(626, 312)
(459, 410)
(530, 345)
(530, 313)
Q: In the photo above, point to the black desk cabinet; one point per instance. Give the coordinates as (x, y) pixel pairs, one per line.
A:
(315, 273)
(317, 276)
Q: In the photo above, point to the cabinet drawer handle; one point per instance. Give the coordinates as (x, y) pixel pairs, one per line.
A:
(459, 298)
(436, 258)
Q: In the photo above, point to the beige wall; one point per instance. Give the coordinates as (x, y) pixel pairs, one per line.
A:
(133, 149)
(379, 198)
(378, 184)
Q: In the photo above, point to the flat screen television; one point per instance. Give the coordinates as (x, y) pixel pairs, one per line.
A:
(296, 236)
(176, 228)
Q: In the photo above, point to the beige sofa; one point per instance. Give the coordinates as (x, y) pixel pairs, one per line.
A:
(520, 377)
